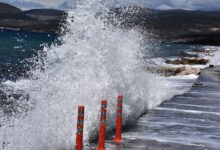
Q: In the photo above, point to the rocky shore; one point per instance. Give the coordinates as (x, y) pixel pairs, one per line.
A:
(183, 66)
(178, 71)
(188, 61)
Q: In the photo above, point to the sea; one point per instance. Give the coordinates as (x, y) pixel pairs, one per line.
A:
(45, 77)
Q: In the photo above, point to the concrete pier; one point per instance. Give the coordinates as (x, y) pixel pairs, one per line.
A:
(187, 122)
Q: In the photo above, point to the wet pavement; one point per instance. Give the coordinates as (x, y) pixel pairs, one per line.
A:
(186, 122)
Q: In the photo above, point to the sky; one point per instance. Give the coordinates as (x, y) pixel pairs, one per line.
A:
(48, 3)
(156, 4)
(176, 4)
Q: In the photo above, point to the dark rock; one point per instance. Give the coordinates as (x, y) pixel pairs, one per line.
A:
(170, 71)
(207, 51)
(188, 61)
(211, 66)
(197, 84)
(179, 71)
(174, 71)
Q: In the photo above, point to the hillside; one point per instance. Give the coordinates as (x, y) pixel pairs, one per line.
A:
(199, 27)
(37, 20)
(8, 9)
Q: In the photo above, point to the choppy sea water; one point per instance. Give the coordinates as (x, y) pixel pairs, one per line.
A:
(89, 63)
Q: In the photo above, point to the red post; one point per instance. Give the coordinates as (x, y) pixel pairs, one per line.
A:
(101, 144)
(79, 134)
(118, 138)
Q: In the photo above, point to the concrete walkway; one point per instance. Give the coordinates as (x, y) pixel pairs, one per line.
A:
(187, 122)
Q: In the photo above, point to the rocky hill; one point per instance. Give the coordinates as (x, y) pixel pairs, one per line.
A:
(37, 20)
(199, 27)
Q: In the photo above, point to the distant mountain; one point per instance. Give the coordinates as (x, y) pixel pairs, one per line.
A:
(23, 5)
(36, 20)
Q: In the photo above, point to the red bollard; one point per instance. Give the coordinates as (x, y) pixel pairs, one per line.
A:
(79, 134)
(118, 138)
(101, 144)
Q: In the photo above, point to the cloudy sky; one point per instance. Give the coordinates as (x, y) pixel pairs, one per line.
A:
(156, 4)
(48, 3)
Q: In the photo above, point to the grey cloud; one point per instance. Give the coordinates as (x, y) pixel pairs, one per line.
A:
(48, 3)
(184, 4)
(174, 4)
(156, 4)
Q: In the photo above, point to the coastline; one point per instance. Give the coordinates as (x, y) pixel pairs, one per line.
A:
(44, 78)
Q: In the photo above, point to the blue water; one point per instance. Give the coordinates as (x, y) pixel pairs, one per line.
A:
(158, 49)
(16, 46)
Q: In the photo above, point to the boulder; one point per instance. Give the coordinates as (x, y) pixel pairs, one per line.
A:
(211, 66)
(178, 71)
(207, 52)
(188, 61)
(188, 70)
(174, 71)
(204, 50)
(198, 84)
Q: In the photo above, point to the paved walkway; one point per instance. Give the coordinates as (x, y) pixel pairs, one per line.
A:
(187, 122)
